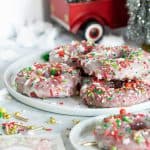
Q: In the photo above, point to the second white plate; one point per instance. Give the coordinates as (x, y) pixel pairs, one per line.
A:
(83, 132)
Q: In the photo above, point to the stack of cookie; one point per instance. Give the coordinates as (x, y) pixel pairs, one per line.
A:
(60, 77)
(105, 76)
(120, 77)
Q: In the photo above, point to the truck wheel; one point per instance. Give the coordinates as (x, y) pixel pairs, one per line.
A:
(93, 31)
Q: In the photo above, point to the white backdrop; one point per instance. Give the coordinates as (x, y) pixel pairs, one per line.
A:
(14, 14)
(19, 12)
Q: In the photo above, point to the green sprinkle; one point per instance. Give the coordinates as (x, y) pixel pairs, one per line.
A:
(135, 54)
(90, 94)
(114, 65)
(140, 52)
(126, 119)
(113, 148)
(28, 69)
(139, 139)
(74, 72)
(124, 55)
(98, 91)
(45, 56)
(2, 110)
(106, 125)
(53, 71)
(121, 134)
(118, 121)
(93, 54)
(65, 81)
(86, 81)
(1, 115)
(109, 98)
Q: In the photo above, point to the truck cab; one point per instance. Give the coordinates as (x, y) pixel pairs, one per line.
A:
(90, 16)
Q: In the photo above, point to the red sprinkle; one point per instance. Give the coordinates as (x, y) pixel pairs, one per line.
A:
(21, 130)
(61, 103)
(123, 64)
(61, 53)
(8, 124)
(107, 132)
(38, 66)
(128, 85)
(48, 129)
(122, 111)
(51, 92)
(107, 119)
(32, 94)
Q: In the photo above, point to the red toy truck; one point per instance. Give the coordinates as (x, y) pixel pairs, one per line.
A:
(89, 16)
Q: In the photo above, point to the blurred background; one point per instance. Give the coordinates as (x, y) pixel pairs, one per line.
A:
(27, 26)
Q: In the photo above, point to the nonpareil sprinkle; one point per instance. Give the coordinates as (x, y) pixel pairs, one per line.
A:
(53, 71)
(75, 121)
(98, 91)
(52, 120)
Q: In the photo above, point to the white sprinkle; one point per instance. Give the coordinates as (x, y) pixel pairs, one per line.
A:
(126, 141)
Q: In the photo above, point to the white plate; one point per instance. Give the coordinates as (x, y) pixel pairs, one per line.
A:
(83, 132)
(71, 106)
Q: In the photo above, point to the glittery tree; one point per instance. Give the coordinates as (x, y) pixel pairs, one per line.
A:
(139, 22)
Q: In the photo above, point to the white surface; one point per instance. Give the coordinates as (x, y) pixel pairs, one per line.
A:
(39, 118)
(83, 132)
(20, 12)
(111, 40)
(18, 148)
(35, 34)
(32, 35)
(15, 14)
(71, 106)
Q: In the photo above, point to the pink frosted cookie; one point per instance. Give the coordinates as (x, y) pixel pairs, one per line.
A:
(125, 131)
(48, 80)
(70, 53)
(116, 63)
(114, 93)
